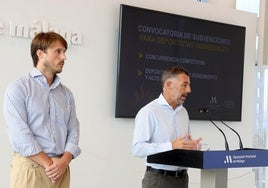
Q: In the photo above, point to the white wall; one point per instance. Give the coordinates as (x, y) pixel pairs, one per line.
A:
(90, 72)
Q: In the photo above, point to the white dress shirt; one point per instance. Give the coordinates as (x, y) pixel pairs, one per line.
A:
(156, 125)
(40, 117)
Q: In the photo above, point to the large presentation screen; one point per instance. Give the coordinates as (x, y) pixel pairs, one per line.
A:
(213, 53)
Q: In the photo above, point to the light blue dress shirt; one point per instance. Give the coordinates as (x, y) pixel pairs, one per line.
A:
(156, 125)
(41, 118)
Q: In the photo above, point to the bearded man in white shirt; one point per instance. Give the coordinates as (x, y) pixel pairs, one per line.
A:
(163, 125)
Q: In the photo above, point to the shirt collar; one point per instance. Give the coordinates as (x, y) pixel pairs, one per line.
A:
(35, 73)
(162, 101)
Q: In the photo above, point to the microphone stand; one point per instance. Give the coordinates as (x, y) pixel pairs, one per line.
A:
(204, 111)
(240, 141)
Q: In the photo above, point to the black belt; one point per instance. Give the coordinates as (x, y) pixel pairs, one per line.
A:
(178, 173)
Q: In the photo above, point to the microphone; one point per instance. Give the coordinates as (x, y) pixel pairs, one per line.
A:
(240, 141)
(204, 111)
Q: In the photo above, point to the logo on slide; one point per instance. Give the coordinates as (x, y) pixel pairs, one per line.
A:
(213, 100)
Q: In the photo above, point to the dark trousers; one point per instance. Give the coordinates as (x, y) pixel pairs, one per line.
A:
(155, 180)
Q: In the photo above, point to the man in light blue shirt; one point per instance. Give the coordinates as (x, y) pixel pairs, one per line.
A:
(41, 119)
(163, 125)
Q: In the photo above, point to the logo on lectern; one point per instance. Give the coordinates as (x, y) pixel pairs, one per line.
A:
(228, 159)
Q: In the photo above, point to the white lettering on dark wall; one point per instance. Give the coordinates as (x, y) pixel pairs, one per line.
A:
(29, 31)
